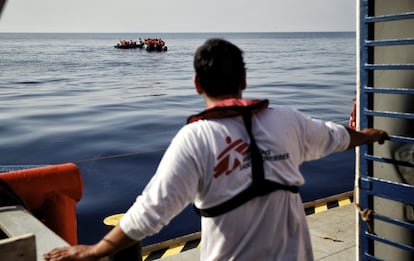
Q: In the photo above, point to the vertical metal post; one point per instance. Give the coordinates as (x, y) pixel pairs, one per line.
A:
(363, 197)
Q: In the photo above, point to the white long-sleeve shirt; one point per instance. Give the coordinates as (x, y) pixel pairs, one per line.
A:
(207, 163)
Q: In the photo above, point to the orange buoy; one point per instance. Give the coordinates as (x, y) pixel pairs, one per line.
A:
(51, 193)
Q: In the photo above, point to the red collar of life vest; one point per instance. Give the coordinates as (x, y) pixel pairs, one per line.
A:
(229, 108)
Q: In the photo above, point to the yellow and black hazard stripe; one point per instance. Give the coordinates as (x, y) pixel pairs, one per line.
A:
(171, 247)
(324, 204)
(191, 241)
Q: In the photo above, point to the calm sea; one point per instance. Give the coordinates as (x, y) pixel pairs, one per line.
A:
(75, 98)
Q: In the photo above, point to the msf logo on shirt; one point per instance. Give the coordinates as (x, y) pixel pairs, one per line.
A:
(231, 157)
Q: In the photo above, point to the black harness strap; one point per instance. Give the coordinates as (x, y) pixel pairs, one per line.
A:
(259, 187)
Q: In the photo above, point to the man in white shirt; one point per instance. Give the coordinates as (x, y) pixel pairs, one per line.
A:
(238, 162)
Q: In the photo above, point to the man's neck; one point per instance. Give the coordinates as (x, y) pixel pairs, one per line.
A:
(212, 100)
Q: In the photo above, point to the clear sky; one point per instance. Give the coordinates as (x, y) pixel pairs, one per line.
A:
(178, 15)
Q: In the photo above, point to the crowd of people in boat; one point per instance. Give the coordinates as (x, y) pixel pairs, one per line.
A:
(154, 42)
(149, 44)
(129, 44)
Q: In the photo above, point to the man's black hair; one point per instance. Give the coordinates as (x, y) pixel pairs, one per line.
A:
(219, 67)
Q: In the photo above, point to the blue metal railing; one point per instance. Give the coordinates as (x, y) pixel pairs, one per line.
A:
(387, 18)
(371, 187)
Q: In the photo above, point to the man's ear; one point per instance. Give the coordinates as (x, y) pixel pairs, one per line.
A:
(197, 84)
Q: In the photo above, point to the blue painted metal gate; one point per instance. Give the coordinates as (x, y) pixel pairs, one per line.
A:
(385, 174)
